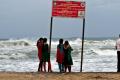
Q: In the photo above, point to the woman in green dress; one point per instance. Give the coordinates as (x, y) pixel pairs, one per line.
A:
(67, 58)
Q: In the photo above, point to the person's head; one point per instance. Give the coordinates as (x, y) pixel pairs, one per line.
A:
(45, 40)
(66, 43)
(41, 39)
(60, 41)
(119, 35)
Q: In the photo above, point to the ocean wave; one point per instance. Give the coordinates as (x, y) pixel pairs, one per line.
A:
(103, 52)
(91, 46)
(21, 55)
(20, 42)
(76, 41)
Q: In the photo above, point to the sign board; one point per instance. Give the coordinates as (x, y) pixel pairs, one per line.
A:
(72, 9)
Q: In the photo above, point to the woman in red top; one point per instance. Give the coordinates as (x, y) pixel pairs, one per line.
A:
(60, 55)
(40, 46)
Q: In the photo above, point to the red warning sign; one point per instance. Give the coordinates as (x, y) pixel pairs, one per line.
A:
(68, 9)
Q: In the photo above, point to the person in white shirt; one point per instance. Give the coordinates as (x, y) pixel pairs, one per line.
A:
(118, 53)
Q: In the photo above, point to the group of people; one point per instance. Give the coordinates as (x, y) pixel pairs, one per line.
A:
(63, 55)
(43, 55)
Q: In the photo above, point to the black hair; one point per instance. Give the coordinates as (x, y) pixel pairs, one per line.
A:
(40, 39)
(60, 41)
(119, 35)
(45, 40)
(66, 43)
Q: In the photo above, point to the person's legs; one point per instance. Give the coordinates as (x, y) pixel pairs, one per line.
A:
(39, 67)
(65, 68)
(41, 64)
(118, 62)
(49, 66)
(60, 67)
(44, 64)
(69, 68)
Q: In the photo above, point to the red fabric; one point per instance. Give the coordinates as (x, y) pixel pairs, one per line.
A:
(39, 46)
(40, 53)
(59, 56)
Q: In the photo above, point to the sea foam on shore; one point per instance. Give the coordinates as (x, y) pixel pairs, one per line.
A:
(20, 55)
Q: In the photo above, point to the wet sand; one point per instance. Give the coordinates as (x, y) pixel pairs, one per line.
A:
(59, 76)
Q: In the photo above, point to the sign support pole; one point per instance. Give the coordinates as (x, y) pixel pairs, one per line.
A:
(83, 34)
(50, 34)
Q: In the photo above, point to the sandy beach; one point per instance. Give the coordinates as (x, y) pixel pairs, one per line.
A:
(58, 76)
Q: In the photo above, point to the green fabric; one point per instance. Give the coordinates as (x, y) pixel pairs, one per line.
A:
(45, 54)
(68, 58)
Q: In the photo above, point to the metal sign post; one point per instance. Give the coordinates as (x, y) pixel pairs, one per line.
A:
(69, 9)
(50, 34)
(83, 34)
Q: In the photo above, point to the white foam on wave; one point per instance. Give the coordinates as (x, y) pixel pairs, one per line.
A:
(102, 43)
(104, 52)
(19, 42)
(14, 54)
(75, 42)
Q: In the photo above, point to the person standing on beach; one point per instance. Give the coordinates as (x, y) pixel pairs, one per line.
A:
(67, 58)
(46, 56)
(60, 55)
(118, 53)
(40, 46)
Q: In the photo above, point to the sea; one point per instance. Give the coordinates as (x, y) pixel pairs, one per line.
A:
(20, 55)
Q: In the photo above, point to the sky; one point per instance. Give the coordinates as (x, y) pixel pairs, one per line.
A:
(31, 18)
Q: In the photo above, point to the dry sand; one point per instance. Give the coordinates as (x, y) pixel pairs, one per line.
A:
(58, 76)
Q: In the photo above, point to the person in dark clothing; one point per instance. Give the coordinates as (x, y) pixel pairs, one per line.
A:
(67, 57)
(118, 53)
(60, 55)
(46, 56)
